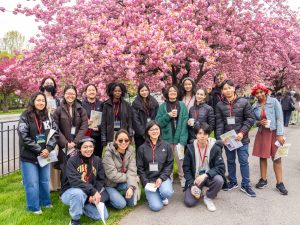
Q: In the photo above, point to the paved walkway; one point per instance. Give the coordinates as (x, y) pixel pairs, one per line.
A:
(235, 208)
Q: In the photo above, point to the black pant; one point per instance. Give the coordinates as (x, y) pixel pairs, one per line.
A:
(138, 140)
(98, 146)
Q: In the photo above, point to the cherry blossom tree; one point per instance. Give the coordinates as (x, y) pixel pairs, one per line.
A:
(162, 41)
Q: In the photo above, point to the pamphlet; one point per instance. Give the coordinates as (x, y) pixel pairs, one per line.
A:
(96, 118)
(229, 140)
(282, 151)
(52, 157)
(150, 187)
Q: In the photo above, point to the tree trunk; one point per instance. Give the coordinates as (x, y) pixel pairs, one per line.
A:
(5, 103)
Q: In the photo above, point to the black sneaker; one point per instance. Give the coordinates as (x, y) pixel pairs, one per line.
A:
(74, 222)
(230, 186)
(261, 184)
(248, 191)
(281, 188)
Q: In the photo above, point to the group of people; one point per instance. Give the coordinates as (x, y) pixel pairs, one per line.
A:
(181, 128)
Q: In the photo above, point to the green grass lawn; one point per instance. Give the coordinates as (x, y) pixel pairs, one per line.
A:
(12, 111)
(13, 209)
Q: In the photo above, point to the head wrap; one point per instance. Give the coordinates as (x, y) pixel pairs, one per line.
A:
(261, 87)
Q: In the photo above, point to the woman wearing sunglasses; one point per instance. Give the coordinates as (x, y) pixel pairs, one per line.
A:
(120, 168)
(155, 165)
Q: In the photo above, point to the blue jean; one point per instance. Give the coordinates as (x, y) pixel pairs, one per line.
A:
(286, 117)
(243, 155)
(36, 184)
(76, 199)
(117, 199)
(155, 198)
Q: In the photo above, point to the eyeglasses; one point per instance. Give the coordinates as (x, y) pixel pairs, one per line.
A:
(123, 141)
(154, 129)
(87, 147)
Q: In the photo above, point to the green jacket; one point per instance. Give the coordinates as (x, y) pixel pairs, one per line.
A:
(165, 122)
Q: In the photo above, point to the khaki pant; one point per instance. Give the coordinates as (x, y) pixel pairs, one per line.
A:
(179, 164)
(54, 179)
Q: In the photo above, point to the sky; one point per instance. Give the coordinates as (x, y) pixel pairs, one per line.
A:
(28, 27)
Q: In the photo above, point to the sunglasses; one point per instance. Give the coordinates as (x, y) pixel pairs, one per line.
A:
(123, 141)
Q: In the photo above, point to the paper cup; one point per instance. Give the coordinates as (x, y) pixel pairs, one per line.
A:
(192, 121)
(268, 124)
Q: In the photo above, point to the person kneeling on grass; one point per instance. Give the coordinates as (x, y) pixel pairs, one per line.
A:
(120, 169)
(203, 165)
(155, 165)
(83, 183)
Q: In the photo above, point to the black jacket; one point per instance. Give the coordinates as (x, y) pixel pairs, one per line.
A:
(205, 114)
(140, 114)
(27, 130)
(97, 106)
(73, 176)
(216, 163)
(287, 103)
(107, 125)
(163, 156)
(244, 117)
(215, 96)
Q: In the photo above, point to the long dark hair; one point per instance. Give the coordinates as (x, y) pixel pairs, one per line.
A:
(149, 126)
(42, 89)
(168, 90)
(31, 110)
(67, 87)
(150, 101)
(183, 91)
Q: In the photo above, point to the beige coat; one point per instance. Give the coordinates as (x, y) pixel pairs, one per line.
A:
(112, 164)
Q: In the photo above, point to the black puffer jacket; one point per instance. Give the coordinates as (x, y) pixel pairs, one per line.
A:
(97, 106)
(216, 163)
(163, 156)
(214, 97)
(27, 130)
(244, 117)
(205, 114)
(287, 103)
(140, 114)
(107, 125)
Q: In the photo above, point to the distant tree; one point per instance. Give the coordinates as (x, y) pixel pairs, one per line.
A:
(12, 41)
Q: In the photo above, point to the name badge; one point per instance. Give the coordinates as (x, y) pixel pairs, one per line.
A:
(40, 139)
(153, 167)
(231, 120)
(117, 124)
(148, 120)
(47, 125)
(73, 130)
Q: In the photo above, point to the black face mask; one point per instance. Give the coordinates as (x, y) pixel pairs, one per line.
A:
(49, 88)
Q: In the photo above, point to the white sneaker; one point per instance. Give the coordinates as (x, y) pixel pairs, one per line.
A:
(209, 204)
(165, 201)
(48, 206)
(39, 212)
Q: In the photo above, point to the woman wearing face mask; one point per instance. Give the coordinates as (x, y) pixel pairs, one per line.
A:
(172, 117)
(117, 113)
(92, 103)
(188, 90)
(144, 109)
(49, 88)
(83, 187)
(235, 113)
(121, 174)
(72, 120)
(268, 113)
(155, 165)
(35, 140)
(199, 113)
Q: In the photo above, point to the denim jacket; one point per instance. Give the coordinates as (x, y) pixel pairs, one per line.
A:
(273, 112)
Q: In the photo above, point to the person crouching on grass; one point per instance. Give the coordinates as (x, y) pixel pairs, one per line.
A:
(83, 186)
(203, 165)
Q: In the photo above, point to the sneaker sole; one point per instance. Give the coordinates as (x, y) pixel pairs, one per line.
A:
(262, 187)
(281, 192)
(230, 189)
(247, 193)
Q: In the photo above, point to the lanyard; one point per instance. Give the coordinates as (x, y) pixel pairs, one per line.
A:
(230, 107)
(116, 111)
(204, 155)
(196, 114)
(123, 166)
(187, 105)
(39, 126)
(153, 150)
(87, 177)
(94, 108)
